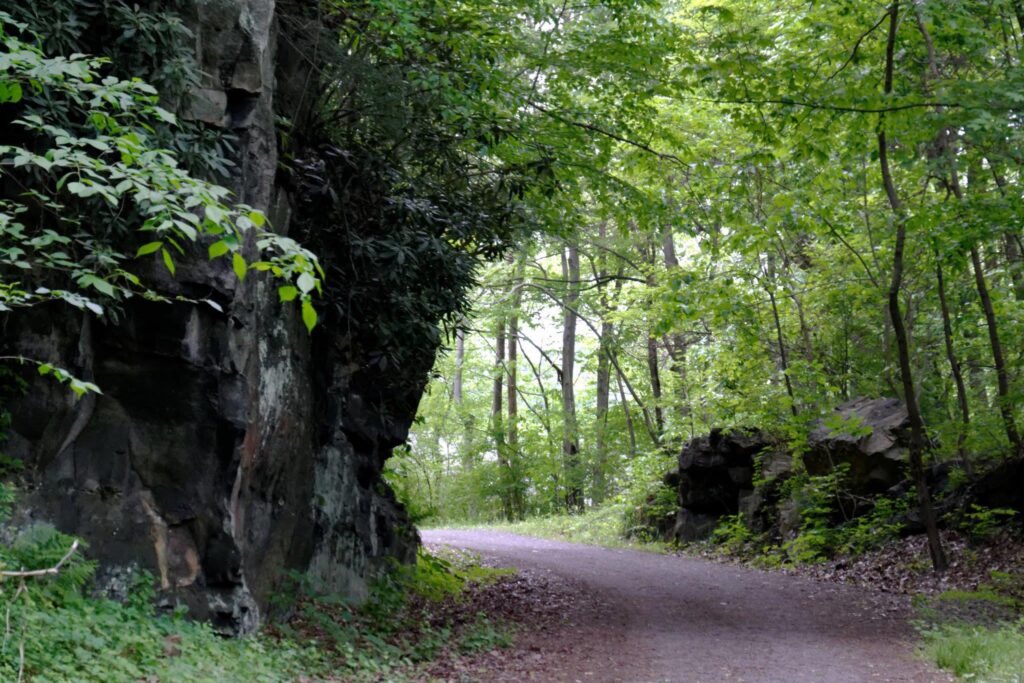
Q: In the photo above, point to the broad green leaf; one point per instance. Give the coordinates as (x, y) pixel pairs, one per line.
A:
(306, 283)
(168, 261)
(218, 249)
(150, 248)
(309, 316)
(238, 265)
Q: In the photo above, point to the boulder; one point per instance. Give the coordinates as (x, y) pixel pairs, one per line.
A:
(693, 526)
(1000, 487)
(716, 478)
(869, 435)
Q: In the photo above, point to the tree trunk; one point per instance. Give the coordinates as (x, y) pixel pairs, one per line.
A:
(460, 358)
(919, 439)
(955, 369)
(676, 343)
(513, 457)
(630, 429)
(1013, 263)
(603, 388)
(1011, 244)
(652, 350)
(783, 356)
(570, 439)
(655, 374)
(1002, 374)
(497, 418)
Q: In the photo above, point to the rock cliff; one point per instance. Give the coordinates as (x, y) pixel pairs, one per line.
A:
(229, 445)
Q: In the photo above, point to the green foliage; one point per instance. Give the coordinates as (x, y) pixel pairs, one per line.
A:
(86, 153)
(69, 636)
(605, 526)
(656, 511)
(994, 655)
(981, 523)
(873, 529)
(55, 633)
(83, 149)
(816, 498)
(406, 621)
(748, 142)
(146, 40)
(733, 535)
(86, 639)
(824, 533)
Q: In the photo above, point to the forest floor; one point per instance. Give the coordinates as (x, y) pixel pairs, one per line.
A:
(634, 617)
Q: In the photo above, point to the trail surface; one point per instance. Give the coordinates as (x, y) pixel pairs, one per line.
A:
(647, 618)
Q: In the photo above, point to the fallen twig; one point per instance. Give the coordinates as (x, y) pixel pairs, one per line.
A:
(49, 571)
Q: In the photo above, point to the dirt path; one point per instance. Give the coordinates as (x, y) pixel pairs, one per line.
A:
(646, 618)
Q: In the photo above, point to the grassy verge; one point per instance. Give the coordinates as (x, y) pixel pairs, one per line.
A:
(418, 616)
(604, 527)
(977, 635)
(978, 653)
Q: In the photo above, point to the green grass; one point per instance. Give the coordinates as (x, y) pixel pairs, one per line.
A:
(978, 653)
(85, 639)
(413, 616)
(602, 527)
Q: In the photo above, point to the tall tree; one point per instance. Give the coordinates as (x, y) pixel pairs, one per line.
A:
(918, 439)
(570, 431)
(512, 459)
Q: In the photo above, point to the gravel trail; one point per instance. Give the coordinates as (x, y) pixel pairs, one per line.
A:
(647, 618)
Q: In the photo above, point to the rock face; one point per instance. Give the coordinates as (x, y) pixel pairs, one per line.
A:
(726, 473)
(226, 447)
(869, 435)
(716, 473)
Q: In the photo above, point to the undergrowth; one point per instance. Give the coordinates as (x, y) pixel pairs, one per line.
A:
(415, 615)
(978, 653)
(604, 526)
(977, 634)
(55, 632)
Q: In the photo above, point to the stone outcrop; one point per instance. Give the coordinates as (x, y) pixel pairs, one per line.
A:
(716, 477)
(228, 445)
(868, 435)
(740, 471)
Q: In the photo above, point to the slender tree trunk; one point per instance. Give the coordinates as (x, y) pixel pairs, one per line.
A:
(676, 343)
(460, 359)
(1011, 250)
(497, 418)
(570, 439)
(515, 487)
(919, 439)
(955, 369)
(1002, 374)
(603, 388)
(653, 370)
(466, 456)
(783, 355)
(655, 374)
(1011, 245)
(630, 429)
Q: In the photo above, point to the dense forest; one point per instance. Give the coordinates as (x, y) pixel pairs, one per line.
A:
(798, 207)
(282, 281)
